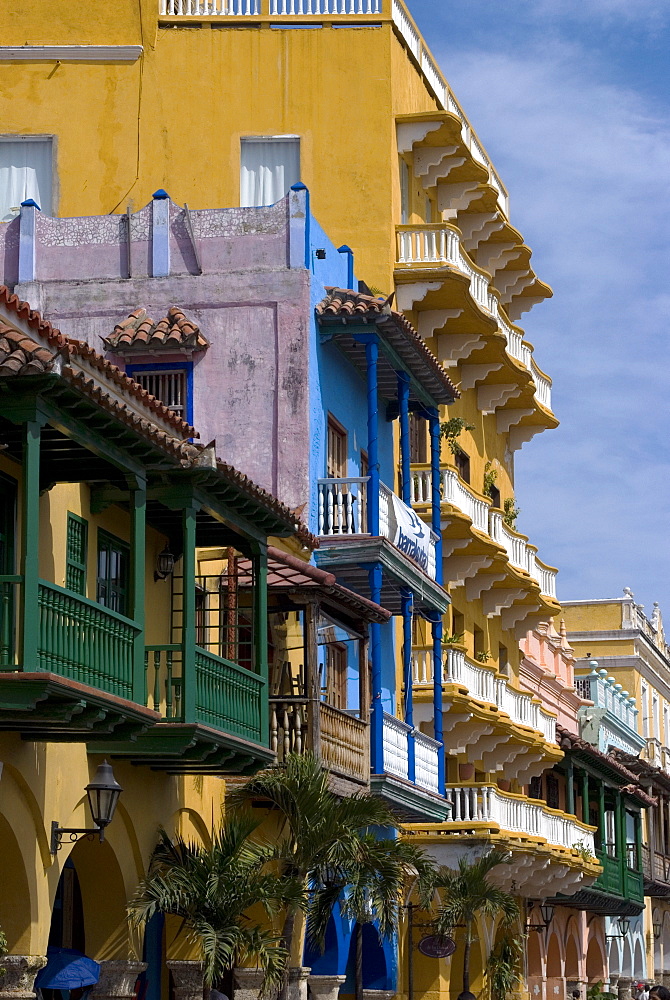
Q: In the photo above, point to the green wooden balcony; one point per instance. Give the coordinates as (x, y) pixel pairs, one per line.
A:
(619, 879)
(85, 641)
(228, 697)
(76, 638)
(188, 705)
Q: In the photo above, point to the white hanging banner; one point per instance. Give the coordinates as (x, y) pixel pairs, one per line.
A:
(410, 534)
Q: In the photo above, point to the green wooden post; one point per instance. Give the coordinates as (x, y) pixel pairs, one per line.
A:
(30, 525)
(570, 786)
(601, 818)
(260, 560)
(586, 793)
(638, 842)
(188, 702)
(138, 508)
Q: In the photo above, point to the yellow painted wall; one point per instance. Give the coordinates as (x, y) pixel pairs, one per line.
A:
(336, 88)
(593, 617)
(44, 782)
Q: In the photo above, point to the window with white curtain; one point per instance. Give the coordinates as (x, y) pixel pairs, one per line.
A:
(269, 167)
(25, 172)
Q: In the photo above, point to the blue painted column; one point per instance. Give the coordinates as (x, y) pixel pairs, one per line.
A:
(435, 482)
(437, 698)
(407, 598)
(377, 711)
(375, 571)
(350, 264)
(371, 358)
(403, 412)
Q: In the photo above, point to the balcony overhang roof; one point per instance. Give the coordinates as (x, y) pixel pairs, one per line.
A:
(292, 576)
(350, 557)
(345, 316)
(43, 706)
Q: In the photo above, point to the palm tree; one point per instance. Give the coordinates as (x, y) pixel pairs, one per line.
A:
(325, 843)
(212, 888)
(468, 892)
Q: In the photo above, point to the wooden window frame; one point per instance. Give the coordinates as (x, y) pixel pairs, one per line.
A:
(73, 566)
(122, 593)
(335, 428)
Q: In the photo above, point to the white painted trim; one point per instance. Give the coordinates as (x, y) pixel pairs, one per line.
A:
(70, 53)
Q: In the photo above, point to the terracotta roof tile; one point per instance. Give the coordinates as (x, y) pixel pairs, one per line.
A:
(345, 304)
(139, 334)
(19, 355)
(569, 741)
(78, 348)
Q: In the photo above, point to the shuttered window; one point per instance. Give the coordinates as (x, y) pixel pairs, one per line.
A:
(337, 450)
(169, 385)
(77, 549)
(113, 572)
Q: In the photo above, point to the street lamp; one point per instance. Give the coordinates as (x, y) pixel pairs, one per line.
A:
(547, 914)
(658, 927)
(164, 565)
(103, 795)
(624, 925)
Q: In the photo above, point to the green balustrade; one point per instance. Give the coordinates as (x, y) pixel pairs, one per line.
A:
(84, 641)
(163, 666)
(228, 697)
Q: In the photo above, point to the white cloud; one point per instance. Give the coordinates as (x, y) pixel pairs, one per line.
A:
(587, 161)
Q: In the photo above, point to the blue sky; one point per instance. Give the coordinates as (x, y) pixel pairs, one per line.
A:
(571, 98)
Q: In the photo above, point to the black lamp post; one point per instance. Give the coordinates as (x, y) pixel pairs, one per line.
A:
(103, 795)
(547, 911)
(624, 925)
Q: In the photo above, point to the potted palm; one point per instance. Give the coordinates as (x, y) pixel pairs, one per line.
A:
(212, 888)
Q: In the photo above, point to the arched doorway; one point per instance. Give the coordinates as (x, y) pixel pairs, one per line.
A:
(595, 961)
(572, 959)
(67, 916)
(15, 895)
(376, 967)
(326, 962)
(554, 963)
(534, 953)
(627, 960)
(89, 910)
(639, 971)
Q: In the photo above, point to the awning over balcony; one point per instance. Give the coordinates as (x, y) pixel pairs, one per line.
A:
(292, 577)
(344, 312)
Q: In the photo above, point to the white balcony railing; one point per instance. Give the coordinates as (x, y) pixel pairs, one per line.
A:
(483, 685)
(275, 8)
(605, 693)
(519, 552)
(343, 510)
(397, 736)
(452, 491)
(441, 244)
(515, 814)
(455, 492)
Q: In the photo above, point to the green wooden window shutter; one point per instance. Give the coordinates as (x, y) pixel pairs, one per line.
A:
(113, 572)
(76, 554)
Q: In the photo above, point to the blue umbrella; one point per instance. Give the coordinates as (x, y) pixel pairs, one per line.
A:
(67, 969)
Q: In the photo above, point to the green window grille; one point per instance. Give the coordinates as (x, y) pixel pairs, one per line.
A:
(113, 572)
(77, 551)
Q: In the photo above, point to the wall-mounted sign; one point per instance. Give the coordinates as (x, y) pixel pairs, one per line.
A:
(437, 946)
